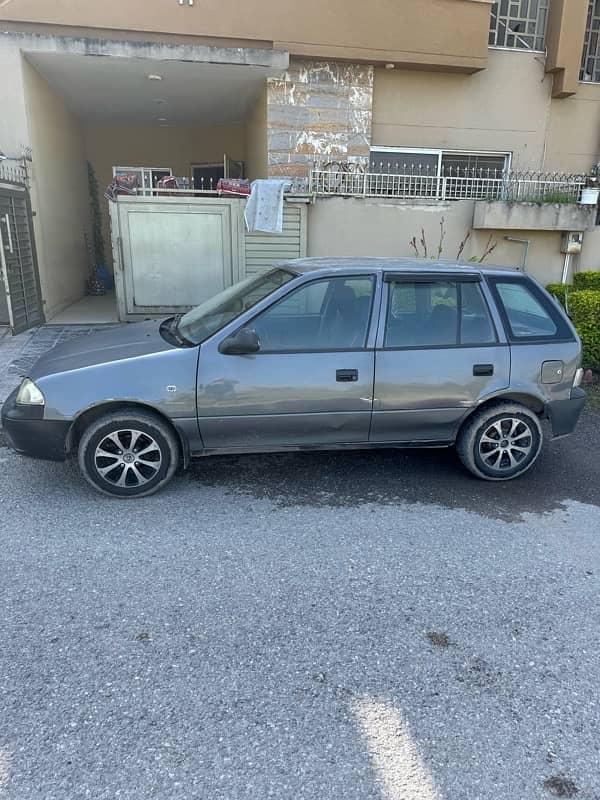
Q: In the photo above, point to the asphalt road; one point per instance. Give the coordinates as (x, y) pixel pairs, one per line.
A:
(356, 625)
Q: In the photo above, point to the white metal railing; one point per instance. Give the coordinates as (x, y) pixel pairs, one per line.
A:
(352, 180)
(13, 173)
(209, 188)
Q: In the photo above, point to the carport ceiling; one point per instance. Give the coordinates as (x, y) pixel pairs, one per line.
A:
(117, 90)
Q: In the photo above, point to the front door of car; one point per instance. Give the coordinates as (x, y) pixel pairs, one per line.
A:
(311, 381)
(438, 354)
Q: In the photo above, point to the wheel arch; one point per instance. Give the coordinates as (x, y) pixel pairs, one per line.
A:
(89, 415)
(530, 401)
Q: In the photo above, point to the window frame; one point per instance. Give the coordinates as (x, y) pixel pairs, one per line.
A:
(375, 299)
(143, 173)
(436, 277)
(563, 333)
(536, 35)
(587, 55)
(441, 152)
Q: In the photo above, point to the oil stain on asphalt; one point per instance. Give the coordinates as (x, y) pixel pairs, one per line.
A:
(566, 470)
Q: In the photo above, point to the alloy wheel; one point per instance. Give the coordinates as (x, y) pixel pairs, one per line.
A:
(128, 458)
(505, 444)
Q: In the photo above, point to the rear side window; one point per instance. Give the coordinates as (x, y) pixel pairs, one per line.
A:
(437, 314)
(528, 314)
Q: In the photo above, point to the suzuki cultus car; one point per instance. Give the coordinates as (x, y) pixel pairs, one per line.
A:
(317, 353)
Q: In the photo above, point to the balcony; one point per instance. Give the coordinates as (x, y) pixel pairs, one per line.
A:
(501, 200)
(543, 216)
(434, 183)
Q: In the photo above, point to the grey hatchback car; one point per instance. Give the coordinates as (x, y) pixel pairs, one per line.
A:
(315, 354)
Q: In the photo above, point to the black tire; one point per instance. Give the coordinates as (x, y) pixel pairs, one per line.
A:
(518, 434)
(137, 451)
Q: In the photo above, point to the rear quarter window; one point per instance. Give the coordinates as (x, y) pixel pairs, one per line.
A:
(527, 314)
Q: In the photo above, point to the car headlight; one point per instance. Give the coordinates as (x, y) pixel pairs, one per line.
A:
(29, 394)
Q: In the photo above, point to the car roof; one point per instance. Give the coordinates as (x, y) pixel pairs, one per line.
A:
(408, 265)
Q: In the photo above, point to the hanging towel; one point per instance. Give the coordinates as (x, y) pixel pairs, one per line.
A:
(264, 209)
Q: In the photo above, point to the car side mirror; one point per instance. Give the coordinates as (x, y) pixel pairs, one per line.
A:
(241, 343)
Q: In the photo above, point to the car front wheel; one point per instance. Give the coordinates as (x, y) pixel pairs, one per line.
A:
(500, 442)
(128, 454)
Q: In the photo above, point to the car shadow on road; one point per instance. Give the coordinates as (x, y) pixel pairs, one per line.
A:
(566, 470)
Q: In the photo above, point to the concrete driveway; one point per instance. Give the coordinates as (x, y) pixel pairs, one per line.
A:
(357, 626)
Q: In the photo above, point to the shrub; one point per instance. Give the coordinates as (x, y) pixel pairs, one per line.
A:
(558, 290)
(584, 308)
(587, 280)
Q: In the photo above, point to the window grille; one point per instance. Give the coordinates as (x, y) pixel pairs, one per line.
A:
(519, 24)
(590, 63)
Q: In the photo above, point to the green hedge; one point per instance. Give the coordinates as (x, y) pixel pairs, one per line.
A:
(584, 308)
(558, 290)
(587, 280)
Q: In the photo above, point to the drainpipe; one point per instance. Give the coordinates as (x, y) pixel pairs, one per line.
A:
(525, 243)
(566, 268)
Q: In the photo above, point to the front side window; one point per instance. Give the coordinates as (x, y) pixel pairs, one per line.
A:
(527, 316)
(328, 314)
(519, 24)
(209, 317)
(437, 314)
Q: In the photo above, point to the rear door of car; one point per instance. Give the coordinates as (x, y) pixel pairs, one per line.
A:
(440, 351)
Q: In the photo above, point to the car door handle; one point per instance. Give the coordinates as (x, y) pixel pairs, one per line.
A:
(483, 369)
(346, 375)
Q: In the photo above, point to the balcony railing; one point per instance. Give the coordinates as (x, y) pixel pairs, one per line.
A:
(352, 180)
(13, 173)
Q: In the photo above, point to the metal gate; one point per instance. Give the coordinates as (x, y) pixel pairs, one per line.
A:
(171, 253)
(20, 298)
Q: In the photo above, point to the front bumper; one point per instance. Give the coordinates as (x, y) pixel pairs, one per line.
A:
(28, 433)
(564, 414)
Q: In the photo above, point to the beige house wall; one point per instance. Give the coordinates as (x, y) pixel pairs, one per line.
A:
(573, 138)
(60, 195)
(565, 35)
(509, 107)
(14, 133)
(257, 154)
(347, 227)
(504, 108)
(177, 147)
(443, 34)
(590, 254)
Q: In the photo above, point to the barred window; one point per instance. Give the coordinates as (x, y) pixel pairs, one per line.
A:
(590, 64)
(436, 162)
(519, 24)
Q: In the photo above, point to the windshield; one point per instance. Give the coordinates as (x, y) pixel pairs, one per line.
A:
(212, 315)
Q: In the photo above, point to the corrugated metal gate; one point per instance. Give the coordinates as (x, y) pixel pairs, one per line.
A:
(265, 250)
(20, 299)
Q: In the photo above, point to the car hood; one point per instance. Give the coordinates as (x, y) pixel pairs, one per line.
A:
(90, 350)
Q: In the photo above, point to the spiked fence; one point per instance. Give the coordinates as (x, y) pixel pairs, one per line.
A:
(410, 181)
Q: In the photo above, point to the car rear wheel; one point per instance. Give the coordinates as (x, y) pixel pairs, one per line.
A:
(500, 442)
(128, 454)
